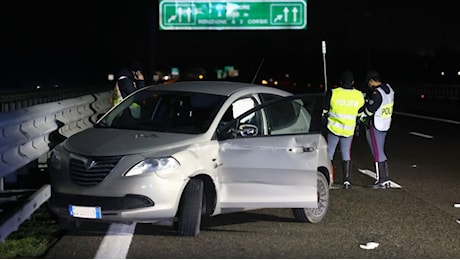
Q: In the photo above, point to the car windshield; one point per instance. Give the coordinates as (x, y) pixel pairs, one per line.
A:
(165, 111)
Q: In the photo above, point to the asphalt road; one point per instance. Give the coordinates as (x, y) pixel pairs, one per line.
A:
(417, 220)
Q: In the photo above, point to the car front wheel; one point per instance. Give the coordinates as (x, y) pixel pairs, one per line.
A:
(315, 215)
(190, 209)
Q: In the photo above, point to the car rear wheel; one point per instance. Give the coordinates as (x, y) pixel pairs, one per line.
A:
(190, 209)
(315, 215)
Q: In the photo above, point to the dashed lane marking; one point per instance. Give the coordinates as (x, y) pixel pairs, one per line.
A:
(430, 118)
(421, 135)
(116, 242)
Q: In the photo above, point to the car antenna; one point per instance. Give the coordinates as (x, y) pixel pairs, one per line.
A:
(257, 72)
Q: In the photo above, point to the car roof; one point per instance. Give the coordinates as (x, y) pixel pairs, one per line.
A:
(224, 88)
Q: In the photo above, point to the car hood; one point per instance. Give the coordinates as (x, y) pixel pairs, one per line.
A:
(112, 142)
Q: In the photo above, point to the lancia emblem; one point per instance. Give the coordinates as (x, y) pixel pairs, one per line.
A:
(89, 164)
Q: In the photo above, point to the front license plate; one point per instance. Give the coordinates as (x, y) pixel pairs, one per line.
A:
(85, 212)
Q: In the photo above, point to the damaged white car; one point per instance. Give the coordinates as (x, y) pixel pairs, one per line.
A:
(188, 150)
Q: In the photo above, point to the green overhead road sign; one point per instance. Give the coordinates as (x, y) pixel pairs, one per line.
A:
(233, 15)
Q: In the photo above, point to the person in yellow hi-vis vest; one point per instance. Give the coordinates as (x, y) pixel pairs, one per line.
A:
(377, 119)
(342, 109)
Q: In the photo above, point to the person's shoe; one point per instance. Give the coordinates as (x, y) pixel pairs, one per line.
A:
(381, 185)
(346, 172)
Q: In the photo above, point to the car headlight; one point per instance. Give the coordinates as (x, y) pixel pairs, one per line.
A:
(153, 165)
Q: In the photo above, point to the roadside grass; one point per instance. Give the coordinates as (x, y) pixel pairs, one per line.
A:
(34, 236)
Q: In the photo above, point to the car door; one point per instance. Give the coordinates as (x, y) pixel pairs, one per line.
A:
(272, 162)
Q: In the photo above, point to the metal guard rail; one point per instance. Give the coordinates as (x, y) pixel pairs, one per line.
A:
(29, 133)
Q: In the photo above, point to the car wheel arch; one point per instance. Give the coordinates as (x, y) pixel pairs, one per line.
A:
(327, 174)
(315, 215)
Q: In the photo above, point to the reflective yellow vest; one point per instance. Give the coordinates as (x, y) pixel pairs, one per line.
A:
(116, 96)
(345, 104)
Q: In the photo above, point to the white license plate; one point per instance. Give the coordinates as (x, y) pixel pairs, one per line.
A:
(85, 212)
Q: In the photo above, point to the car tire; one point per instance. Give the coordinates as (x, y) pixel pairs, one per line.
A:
(315, 215)
(190, 209)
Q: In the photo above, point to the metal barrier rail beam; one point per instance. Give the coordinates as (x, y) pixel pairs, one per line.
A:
(26, 135)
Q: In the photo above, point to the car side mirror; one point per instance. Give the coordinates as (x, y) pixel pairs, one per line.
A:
(248, 130)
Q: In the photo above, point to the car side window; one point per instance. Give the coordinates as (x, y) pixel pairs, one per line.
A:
(251, 121)
(288, 117)
(265, 97)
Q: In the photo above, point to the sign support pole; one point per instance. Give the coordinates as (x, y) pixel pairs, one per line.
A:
(324, 65)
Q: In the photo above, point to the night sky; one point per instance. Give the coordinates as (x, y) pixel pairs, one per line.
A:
(79, 42)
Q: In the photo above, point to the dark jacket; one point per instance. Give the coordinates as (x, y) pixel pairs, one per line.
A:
(375, 99)
(126, 82)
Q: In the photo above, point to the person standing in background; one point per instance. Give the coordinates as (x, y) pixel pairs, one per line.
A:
(128, 80)
(377, 115)
(341, 111)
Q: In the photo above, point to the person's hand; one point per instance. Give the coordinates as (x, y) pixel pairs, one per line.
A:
(364, 120)
(324, 119)
(138, 75)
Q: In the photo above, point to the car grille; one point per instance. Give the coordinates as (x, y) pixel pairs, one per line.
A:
(86, 171)
(129, 201)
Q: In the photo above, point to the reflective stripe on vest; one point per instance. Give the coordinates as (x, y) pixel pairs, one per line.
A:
(382, 117)
(345, 104)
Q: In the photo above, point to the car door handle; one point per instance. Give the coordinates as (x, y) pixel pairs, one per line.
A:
(301, 149)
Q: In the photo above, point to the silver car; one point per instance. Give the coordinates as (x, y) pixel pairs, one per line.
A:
(177, 153)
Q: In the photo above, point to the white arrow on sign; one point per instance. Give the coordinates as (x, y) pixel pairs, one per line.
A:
(285, 11)
(294, 14)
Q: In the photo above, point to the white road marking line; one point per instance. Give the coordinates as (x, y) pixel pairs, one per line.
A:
(369, 245)
(374, 176)
(336, 186)
(457, 205)
(422, 135)
(116, 242)
(430, 118)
